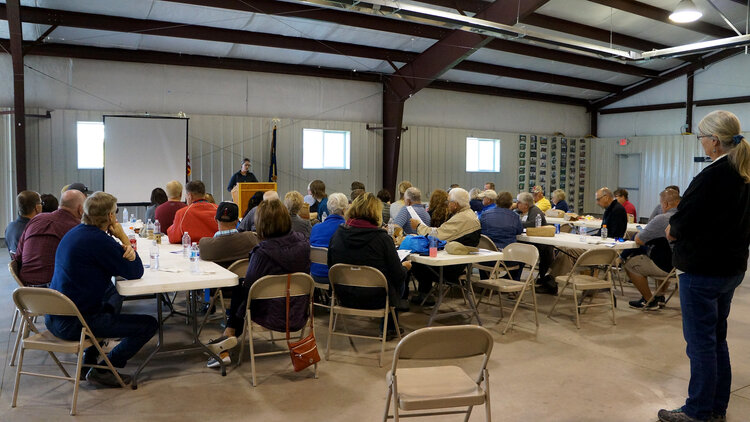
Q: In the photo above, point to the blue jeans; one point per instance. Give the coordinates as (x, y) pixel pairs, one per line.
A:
(705, 303)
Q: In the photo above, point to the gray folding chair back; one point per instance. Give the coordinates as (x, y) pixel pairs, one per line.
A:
(596, 257)
(521, 252)
(319, 255)
(357, 276)
(13, 269)
(239, 267)
(449, 342)
(487, 243)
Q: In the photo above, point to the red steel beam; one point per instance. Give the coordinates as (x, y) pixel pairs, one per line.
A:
(19, 103)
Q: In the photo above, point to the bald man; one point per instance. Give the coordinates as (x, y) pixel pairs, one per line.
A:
(35, 255)
(248, 223)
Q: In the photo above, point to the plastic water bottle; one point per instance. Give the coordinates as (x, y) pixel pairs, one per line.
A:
(604, 231)
(133, 218)
(582, 231)
(194, 266)
(154, 253)
(391, 227)
(433, 243)
(150, 229)
(323, 216)
(125, 216)
(538, 221)
(186, 245)
(157, 226)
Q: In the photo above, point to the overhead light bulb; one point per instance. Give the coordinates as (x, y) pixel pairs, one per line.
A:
(685, 12)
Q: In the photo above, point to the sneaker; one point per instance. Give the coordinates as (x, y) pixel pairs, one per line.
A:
(677, 415)
(222, 343)
(403, 305)
(225, 359)
(546, 289)
(661, 301)
(106, 378)
(205, 309)
(641, 304)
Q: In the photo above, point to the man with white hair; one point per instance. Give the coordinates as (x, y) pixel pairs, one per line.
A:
(248, 223)
(462, 226)
(413, 201)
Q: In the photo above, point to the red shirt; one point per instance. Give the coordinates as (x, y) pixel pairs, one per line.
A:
(197, 219)
(165, 213)
(36, 248)
(630, 209)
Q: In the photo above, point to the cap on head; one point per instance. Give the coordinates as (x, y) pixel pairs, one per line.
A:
(227, 212)
(79, 187)
(489, 193)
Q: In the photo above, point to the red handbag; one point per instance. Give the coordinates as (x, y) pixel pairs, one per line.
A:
(303, 352)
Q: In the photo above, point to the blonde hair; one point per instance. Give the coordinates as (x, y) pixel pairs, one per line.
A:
(559, 194)
(725, 126)
(366, 207)
(96, 209)
(402, 187)
(174, 189)
(293, 201)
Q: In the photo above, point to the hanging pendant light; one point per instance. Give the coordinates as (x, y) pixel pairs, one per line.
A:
(685, 12)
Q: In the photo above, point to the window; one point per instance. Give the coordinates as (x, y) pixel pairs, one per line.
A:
(483, 155)
(325, 149)
(90, 145)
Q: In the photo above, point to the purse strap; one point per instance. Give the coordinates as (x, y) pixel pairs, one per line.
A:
(288, 294)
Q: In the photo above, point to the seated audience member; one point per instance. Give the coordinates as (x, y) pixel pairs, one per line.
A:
(322, 232)
(615, 217)
(413, 199)
(210, 199)
(318, 191)
(640, 267)
(227, 244)
(356, 193)
(454, 185)
(622, 197)
(86, 260)
(280, 251)
(488, 198)
(358, 188)
(197, 218)
(438, 207)
(558, 201)
(489, 186)
(29, 204)
(539, 200)
(76, 186)
(248, 222)
(253, 202)
(463, 227)
(35, 255)
(49, 202)
(529, 211)
(385, 198)
(166, 211)
(293, 201)
(501, 224)
(475, 202)
(361, 241)
(397, 205)
(158, 197)
(657, 210)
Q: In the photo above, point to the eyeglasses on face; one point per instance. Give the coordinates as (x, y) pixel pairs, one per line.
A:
(699, 137)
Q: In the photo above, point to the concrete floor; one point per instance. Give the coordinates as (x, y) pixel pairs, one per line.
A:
(601, 372)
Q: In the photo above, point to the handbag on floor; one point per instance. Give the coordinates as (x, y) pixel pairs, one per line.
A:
(303, 352)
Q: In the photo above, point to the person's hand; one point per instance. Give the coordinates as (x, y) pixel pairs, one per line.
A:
(129, 252)
(414, 223)
(669, 236)
(116, 230)
(407, 265)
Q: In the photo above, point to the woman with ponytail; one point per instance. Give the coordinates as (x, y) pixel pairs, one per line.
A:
(711, 234)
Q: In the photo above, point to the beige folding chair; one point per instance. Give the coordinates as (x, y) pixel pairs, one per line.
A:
(359, 276)
(37, 301)
(238, 267)
(13, 269)
(274, 287)
(319, 255)
(603, 259)
(661, 282)
(439, 387)
(526, 254)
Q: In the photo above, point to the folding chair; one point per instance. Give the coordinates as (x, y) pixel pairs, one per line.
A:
(603, 259)
(359, 276)
(273, 287)
(13, 269)
(319, 255)
(661, 282)
(37, 301)
(238, 267)
(439, 387)
(527, 255)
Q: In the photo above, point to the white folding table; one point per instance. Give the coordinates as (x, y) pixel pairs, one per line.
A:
(174, 275)
(569, 240)
(633, 228)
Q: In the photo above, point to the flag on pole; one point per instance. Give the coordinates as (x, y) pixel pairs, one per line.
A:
(272, 170)
(188, 169)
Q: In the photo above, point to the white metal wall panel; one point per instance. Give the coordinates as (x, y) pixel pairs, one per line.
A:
(8, 169)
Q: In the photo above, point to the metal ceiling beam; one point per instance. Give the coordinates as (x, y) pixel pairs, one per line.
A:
(661, 15)
(506, 92)
(15, 46)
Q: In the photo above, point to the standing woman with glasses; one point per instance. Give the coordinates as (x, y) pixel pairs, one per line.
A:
(710, 266)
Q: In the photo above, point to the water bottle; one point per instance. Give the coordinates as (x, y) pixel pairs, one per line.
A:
(125, 216)
(150, 229)
(538, 221)
(582, 231)
(154, 253)
(133, 218)
(391, 227)
(433, 243)
(323, 216)
(194, 266)
(186, 245)
(157, 226)
(604, 231)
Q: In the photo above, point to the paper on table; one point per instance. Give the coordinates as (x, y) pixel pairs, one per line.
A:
(414, 214)
(403, 253)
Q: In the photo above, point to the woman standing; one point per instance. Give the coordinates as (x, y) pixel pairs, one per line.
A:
(711, 268)
(243, 175)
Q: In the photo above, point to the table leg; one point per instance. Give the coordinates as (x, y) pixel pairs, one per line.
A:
(439, 298)
(159, 342)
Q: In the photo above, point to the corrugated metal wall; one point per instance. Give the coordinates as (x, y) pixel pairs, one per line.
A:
(8, 169)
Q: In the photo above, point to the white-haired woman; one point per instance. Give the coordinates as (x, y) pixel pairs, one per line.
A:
(322, 232)
(529, 211)
(711, 268)
(293, 201)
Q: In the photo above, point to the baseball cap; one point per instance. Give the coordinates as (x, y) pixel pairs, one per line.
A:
(455, 248)
(489, 193)
(227, 212)
(79, 187)
(537, 189)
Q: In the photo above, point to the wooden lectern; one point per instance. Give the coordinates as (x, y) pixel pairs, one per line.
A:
(242, 192)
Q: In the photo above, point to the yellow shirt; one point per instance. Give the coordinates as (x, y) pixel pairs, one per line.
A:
(543, 204)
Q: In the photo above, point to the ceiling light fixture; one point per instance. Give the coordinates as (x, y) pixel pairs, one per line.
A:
(685, 12)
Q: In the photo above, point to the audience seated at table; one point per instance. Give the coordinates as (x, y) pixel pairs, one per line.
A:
(397, 205)
(86, 260)
(280, 251)
(227, 244)
(539, 200)
(248, 221)
(529, 212)
(502, 226)
(197, 218)
(166, 211)
(462, 226)
(35, 255)
(657, 210)
(385, 198)
(361, 241)
(438, 207)
(322, 232)
(488, 198)
(622, 197)
(293, 201)
(656, 259)
(29, 204)
(413, 199)
(558, 201)
(475, 202)
(158, 197)
(49, 202)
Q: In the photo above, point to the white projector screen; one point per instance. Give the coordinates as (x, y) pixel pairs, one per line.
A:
(141, 153)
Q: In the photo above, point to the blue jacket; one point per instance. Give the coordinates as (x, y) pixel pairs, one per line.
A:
(487, 207)
(321, 236)
(562, 205)
(501, 225)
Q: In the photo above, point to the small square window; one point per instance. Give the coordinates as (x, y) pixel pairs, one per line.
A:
(326, 149)
(482, 155)
(90, 145)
